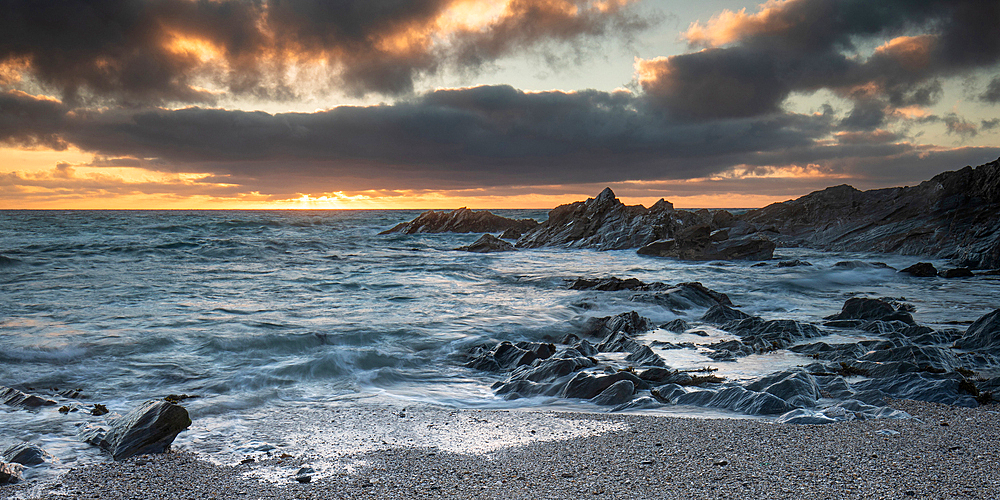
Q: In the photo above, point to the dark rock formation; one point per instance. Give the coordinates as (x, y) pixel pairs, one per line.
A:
(16, 398)
(11, 473)
(618, 393)
(921, 270)
(983, 334)
(462, 220)
(959, 272)
(952, 216)
(25, 454)
(684, 296)
(629, 322)
(488, 243)
(150, 428)
(721, 314)
(506, 356)
(676, 326)
(605, 223)
(614, 284)
(871, 310)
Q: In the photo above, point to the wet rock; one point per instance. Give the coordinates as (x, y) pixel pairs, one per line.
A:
(305, 474)
(921, 270)
(788, 385)
(871, 310)
(857, 264)
(793, 263)
(732, 398)
(462, 220)
(984, 333)
(924, 357)
(11, 473)
(511, 234)
(959, 272)
(150, 428)
(618, 393)
(585, 385)
(721, 314)
(803, 416)
(765, 336)
(921, 386)
(644, 356)
(663, 375)
(629, 322)
(684, 296)
(18, 399)
(614, 284)
(506, 356)
(488, 243)
(675, 326)
(701, 244)
(25, 454)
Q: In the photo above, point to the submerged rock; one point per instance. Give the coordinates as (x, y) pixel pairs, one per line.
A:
(871, 310)
(462, 220)
(684, 296)
(629, 322)
(150, 428)
(614, 284)
(506, 356)
(488, 243)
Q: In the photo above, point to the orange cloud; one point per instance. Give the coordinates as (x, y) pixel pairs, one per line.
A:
(728, 26)
(910, 52)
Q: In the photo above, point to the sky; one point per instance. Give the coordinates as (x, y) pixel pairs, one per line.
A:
(360, 104)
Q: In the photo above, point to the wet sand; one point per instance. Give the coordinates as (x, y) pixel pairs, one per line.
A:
(944, 452)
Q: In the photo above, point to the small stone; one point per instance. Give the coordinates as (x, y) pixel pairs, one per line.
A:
(647, 462)
(98, 410)
(567, 475)
(910, 493)
(247, 460)
(887, 432)
(721, 463)
(305, 474)
(64, 409)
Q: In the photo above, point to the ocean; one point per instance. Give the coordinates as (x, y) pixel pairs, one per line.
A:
(268, 314)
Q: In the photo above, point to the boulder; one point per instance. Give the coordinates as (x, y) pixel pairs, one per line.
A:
(585, 385)
(11, 473)
(618, 393)
(721, 314)
(921, 270)
(488, 243)
(614, 284)
(871, 310)
(462, 220)
(793, 263)
(676, 326)
(699, 243)
(25, 454)
(644, 356)
(150, 428)
(628, 322)
(984, 333)
(684, 296)
(959, 272)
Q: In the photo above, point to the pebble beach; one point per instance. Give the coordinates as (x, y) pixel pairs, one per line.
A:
(942, 452)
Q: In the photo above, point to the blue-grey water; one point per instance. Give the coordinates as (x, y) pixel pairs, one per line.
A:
(267, 311)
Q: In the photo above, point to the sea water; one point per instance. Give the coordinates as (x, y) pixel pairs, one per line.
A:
(267, 313)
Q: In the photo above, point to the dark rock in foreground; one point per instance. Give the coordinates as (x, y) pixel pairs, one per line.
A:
(488, 243)
(921, 270)
(16, 398)
(25, 454)
(11, 473)
(951, 216)
(983, 334)
(150, 428)
(462, 220)
(871, 310)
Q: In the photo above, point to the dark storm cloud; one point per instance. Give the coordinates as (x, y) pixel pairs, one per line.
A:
(992, 92)
(754, 62)
(29, 121)
(139, 52)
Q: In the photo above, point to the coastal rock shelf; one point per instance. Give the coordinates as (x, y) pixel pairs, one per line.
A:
(608, 363)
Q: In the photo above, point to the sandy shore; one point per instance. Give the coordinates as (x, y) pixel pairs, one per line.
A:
(944, 452)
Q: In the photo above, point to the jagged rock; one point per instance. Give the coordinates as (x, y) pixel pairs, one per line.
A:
(619, 342)
(644, 356)
(921, 386)
(766, 336)
(586, 385)
(614, 284)
(664, 375)
(921, 270)
(150, 428)
(511, 234)
(16, 398)
(462, 220)
(732, 398)
(618, 393)
(629, 322)
(684, 296)
(952, 216)
(922, 356)
(871, 310)
(25, 454)
(959, 272)
(11, 473)
(984, 333)
(506, 356)
(488, 243)
(789, 385)
(721, 314)
(793, 263)
(676, 326)
(699, 243)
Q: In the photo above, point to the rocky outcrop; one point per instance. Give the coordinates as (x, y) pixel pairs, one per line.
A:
(16, 398)
(984, 333)
(952, 216)
(150, 428)
(605, 223)
(488, 243)
(462, 220)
